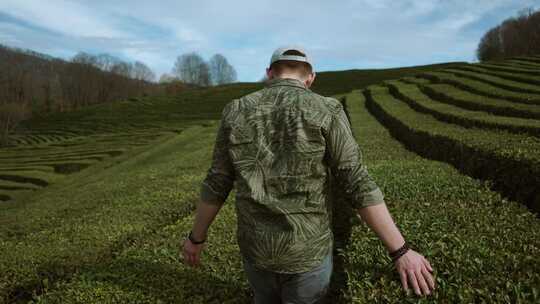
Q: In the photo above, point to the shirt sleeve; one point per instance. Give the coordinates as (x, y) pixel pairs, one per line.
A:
(219, 179)
(345, 162)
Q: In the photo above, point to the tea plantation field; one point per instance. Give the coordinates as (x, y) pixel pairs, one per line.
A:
(94, 204)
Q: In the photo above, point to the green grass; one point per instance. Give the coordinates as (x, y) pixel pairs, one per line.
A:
(47, 241)
(529, 78)
(529, 59)
(467, 100)
(509, 161)
(511, 85)
(483, 247)
(332, 83)
(414, 96)
(480, 87)
(527, 62)
(112, 231)
(69, 142)
(504, 67)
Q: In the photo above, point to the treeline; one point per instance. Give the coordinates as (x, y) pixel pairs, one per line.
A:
(516, 36)
(33, 83)
(108, 63)
(47, 84)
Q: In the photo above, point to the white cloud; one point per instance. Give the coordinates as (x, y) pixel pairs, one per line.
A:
(344, 34)
(66, 17)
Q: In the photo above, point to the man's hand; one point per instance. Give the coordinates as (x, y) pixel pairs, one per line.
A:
(192, 253)
(205, 214)
(414, 268)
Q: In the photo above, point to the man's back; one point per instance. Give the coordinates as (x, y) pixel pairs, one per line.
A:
(277, 147)
(279, 143)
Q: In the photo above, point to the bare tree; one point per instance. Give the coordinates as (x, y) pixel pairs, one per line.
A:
(84, 58)
(191, 68)
(123, 69)
(37, 83)
(106, 62)
(204, 74)
(10, 115)
(221, 71)
(142, 72)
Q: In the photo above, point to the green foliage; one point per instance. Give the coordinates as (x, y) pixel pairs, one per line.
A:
(513, 75)
(483, 248)
(506, 67)
(516, 86)
(331, 83)
(467, 100)
(417, 100)
(510, 161)
(98, 200)
(482, 87)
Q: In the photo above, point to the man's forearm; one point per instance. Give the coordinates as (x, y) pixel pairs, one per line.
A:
(380, 221)
(205, 214)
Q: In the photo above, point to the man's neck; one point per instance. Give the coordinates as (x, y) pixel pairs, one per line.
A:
(291, 76)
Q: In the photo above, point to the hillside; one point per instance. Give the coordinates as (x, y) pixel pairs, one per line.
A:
(96, 201)
(69, 142)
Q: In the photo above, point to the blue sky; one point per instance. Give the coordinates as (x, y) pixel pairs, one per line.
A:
(338, 34)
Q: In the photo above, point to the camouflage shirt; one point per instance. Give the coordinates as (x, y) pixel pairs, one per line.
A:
(277, 146)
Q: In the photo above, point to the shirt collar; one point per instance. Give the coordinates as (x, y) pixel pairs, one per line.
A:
(286, 82)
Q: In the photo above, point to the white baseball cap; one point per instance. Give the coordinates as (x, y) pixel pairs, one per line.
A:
(278, 54)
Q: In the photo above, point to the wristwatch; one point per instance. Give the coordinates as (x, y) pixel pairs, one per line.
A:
(192, 240)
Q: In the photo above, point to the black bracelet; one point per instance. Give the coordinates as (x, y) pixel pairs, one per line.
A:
(395, 255)
(190, 237)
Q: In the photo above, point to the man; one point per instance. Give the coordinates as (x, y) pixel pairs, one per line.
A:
(280, 145)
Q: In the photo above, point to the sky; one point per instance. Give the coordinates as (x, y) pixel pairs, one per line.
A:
(337, 35)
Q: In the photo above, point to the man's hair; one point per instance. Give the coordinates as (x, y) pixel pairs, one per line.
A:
(302, 68)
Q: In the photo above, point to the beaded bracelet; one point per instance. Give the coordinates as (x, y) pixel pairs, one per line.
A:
(395, 255)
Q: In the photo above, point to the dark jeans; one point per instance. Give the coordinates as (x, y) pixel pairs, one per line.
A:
(275, 288)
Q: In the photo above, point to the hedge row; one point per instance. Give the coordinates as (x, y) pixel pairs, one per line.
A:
(417, 100)
(481, 87)
(150, 269)
(452, 95)
(122, 124)
(504, 67)
(152, 114)
(497, 81)
(511, 162)
(483, 248)
(524, 63)
(529, 59)
(416, 80)
(531, 79)
(84, 221)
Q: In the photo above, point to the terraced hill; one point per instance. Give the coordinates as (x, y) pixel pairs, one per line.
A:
(46, 150)
(98, 201)
(49, 149)
(481, 118)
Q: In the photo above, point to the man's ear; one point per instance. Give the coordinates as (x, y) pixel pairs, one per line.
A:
(269, 73)
(310, 79)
